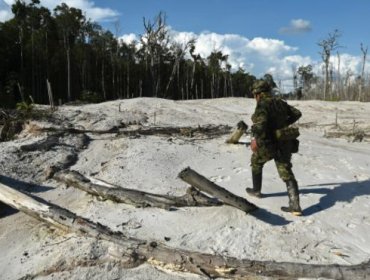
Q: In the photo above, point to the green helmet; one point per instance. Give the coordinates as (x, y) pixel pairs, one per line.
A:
(261, 86)
(268, 78)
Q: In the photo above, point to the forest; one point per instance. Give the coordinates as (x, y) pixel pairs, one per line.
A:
(60, 57)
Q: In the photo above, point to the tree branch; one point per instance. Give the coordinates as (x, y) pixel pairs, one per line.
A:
(158, 254)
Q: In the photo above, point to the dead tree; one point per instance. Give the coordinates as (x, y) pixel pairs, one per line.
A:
(134, 197)
(136, 251)
(209, 131)
(155, 43)
(362, 82)
(339, 79)
(198, 181)
(238, 133)
(179, 52)
(328, 45)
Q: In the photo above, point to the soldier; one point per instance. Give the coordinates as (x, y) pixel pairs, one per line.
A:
(274, 139)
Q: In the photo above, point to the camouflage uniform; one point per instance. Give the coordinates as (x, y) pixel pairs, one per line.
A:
(271, 114)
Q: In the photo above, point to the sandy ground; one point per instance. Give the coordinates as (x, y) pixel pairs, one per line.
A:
(333, 175)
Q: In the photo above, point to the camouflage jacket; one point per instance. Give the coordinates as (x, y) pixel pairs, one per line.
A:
(271, 113)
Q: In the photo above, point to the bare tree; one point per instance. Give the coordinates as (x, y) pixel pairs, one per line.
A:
(155, 43)
(195, 61)
(179, 50)
(339, 83)
(295, 77)
(362, 81)
(328, 45)
(114, 58)
(70, 22)
(347, 84)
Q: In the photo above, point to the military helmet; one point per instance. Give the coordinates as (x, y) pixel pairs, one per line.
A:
(261, 86)
(268, 78)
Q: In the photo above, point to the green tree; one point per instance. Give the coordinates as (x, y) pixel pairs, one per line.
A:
(242, 83)
(215, 60)
(306, 76)
(70, 23)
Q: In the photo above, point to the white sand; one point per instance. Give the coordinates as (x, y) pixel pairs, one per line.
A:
(333, 175)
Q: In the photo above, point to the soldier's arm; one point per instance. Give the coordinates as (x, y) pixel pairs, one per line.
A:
(259, 127)
(293, 114)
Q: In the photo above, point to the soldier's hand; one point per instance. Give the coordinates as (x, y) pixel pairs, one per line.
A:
(254, 146)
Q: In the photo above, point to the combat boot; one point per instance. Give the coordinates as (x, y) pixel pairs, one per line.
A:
(257, 185)
(293, 195)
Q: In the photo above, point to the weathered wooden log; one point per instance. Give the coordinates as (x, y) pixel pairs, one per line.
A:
(134, 197)
(357, 136)
(210, 130)
(157, 254)
(238, 133)
(200, 182)
(57, 216)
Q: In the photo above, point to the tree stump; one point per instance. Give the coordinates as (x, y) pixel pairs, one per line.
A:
(238, 133)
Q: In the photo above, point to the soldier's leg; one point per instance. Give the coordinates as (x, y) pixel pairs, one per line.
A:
(258, 160)
(284, 167)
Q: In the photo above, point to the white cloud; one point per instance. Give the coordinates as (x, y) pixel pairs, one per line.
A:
(5, 11)
(346, 62)
(93, 12)
(9, 2)
(301, 24)
(269, 47)
(129, 38)
(296, 26)
(87, 6)
(5, 15)
(257, 56)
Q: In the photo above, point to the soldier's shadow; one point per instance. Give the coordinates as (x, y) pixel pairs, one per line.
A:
(344, 192)
(22, 186)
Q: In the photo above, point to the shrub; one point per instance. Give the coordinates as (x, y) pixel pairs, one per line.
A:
(90, 96)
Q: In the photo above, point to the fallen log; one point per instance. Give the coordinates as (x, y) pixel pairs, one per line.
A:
(200, 182)
(357, 136)
(71, 130)
(157, 254)
(134, 197)
(57, 216)
(210, 130)
(238, 133)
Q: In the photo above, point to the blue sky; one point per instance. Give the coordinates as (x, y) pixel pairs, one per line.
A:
(259, 35)
(258, 18)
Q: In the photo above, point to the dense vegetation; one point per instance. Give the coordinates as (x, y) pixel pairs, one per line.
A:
(61, 53)
(82, 61)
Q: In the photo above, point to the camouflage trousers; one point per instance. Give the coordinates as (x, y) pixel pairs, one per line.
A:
(282, 160)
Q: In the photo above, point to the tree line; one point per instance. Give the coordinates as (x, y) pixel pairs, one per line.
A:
(62, 56)
(334, 83)
(82, 61)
